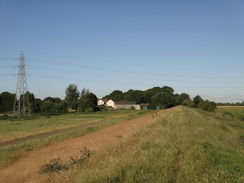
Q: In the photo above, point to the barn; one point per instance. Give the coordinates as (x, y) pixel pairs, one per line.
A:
(119, 105)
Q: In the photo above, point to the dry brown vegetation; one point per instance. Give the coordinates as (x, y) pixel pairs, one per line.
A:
(26, 168)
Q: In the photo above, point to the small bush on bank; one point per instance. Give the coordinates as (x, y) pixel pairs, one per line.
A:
(57, 165)
(188, 103)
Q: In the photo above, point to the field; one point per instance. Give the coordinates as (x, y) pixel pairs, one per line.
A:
(29, 128)
(178, 145)
(233, 111)
(18, 128)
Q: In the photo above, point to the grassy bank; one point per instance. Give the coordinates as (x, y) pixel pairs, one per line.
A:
(185, 145)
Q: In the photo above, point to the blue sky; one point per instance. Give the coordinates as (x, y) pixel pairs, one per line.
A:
(193, 46)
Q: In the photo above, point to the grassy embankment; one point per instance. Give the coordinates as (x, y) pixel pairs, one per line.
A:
(18, 128)
(185, 145)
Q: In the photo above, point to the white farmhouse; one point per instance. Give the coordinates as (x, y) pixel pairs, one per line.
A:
(110, 103)
(100, 102)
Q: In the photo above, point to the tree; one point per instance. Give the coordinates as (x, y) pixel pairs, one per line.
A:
(36, 108)
(6, 101)
(207, 105)
(197, 99)
(31, 100)
(116, 95)
(167, 89)
(163, 99)
(51, 99)
(134, 96)
(188, 103)
(148, 94)
(62, 107)
(88, 101)
(72, 96)
(48, 107)
(182, 97)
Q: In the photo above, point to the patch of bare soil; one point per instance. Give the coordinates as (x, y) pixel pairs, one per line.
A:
(26, 169)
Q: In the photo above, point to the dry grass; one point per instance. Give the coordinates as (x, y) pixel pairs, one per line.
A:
(26, 169)
(186, 145)
(180, 145)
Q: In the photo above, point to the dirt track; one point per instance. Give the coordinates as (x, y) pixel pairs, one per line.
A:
(26, 169)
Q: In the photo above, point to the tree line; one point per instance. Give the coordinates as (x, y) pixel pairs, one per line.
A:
(163, 97)
(86, 101)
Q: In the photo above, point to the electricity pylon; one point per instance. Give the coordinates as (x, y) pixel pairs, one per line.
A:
(21, 101)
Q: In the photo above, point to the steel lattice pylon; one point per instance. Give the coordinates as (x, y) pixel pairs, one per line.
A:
(21, 101)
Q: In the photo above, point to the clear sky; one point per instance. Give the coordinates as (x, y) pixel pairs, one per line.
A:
(193, 46)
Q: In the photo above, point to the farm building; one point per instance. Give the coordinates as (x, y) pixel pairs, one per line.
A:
(126, 105)
(110, 103)
(144, 106)
(102, 102)
(119, 105)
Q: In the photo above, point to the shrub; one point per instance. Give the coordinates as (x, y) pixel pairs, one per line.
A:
(57, 165)
(188, 103)
(101, 108)
(242, 118)
(89, 110)
(85, 154)
(207, 106)
(228, 114)
(3, 117)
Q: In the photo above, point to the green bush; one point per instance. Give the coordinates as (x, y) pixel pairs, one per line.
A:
(89, 110)
(228, 114)
(188, 103)
(207, 106)
(4, 117)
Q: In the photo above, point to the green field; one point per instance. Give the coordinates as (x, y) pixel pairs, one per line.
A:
(233, 111)
(17, 128)
(185, 145)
